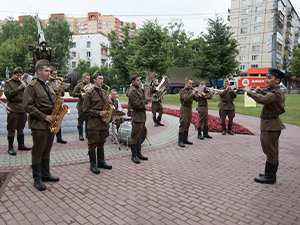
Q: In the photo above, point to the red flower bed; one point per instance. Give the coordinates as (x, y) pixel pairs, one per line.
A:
(214, 123)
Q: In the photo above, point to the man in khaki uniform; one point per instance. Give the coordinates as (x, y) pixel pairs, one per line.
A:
(138, 102)
(39, 100)
(187, 95)
(93, 106)
(273, 102)
(203, 110)
(117, 113)
(156, 106)
(81, 116)
(16, 120)
(226, 107)
(53, 73)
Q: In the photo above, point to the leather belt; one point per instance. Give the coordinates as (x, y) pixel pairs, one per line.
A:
(268, 117)
(202, 105)
(227, 102)
(16, 101)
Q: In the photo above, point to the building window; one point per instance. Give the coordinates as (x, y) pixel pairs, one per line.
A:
(242, 49)
(242, 58)
(257, 28)
(256, 38)
(245, 11)
(74, 64)
(88, 54)
(254, 66)
(255, 57)
(258, 9)
(244, 30)
(255, 48)
(243, 40)
(245, 2)
(74, 45)
(245, 21)
(73, 54)
(242, 67)
(88, 44)
(257, 19)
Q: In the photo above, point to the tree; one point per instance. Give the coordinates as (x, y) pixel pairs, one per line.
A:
(119, 51)
(10, 29)
(58, 36)
(294, 63)
(152, 49)
(181, 44)
(215, 53)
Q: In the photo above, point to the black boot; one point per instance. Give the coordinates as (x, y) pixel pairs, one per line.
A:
(11, 149)
(101, 161)
(21, 146)
(139, 151)
(205, 132)
(134, 157)
(86, 131)
(80, 130)
(45, 171)
(59, 138)
(155, 121)
(158, 121)
(199, 133)
(277, 164)
(270, 174)
(180, 139)
(185, 138)
(37, 176)
(93, 166)
(223, 128)
(229, 129)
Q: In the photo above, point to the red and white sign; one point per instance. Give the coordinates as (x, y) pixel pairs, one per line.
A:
(252, 82)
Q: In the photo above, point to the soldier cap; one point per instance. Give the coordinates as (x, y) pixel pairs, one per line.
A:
(276, 72)
(113, 90)
(42, 62)
(133, 76)
(18, 70)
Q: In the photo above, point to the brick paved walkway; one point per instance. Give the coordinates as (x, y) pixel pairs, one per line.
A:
(210, 182)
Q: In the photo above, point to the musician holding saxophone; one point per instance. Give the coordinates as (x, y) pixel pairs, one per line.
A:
(94, 106)
(138, 101)
(39, 102)
(79, 92)
(156, 105)
(16, 119)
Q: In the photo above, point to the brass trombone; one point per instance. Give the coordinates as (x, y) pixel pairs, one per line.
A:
(5, 107)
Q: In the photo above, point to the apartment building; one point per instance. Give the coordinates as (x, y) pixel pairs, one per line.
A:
(94, 23)
(252, 23)
(92, 48)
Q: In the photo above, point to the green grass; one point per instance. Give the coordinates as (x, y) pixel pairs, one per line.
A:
(291, 116)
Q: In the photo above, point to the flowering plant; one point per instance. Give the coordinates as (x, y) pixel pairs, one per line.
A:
(214, 123)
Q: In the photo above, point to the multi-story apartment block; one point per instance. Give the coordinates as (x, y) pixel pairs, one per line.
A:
(94, 23)
(252, 23)
(92, 48)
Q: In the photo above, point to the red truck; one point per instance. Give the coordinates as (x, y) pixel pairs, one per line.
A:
(255, 77)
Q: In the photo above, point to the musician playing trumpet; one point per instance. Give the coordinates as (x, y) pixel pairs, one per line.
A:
(226, 106)
(202, 109)
(156, 105)
(16, 120)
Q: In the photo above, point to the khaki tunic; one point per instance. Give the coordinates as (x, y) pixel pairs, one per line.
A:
(138, 102)
(38, 105)
(118, 120)
(16, 120)
(77, 93)
(202, 109)
(273, 105)
(186, 99)
(226, 106)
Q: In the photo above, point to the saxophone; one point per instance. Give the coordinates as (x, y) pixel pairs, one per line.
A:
(58, 111)
(107, 107)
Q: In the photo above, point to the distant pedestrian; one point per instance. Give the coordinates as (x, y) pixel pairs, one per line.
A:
(273, 105)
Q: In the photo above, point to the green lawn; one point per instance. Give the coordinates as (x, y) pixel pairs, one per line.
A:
(292, 106)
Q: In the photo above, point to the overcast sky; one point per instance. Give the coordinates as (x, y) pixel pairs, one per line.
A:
(191, 12)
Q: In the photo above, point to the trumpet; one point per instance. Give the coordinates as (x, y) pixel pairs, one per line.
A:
(5, 107)
(23, 82)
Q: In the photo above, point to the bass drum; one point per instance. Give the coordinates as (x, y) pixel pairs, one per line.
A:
(124, 133)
